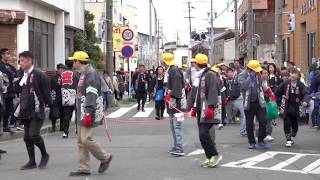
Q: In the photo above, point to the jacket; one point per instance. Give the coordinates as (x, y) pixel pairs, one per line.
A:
(55, 83)
(11, 73)
(245, 81)
(175, 82)
(35, 96)
(293, 103)
(106, 84)
(89, 99)
(208, 96)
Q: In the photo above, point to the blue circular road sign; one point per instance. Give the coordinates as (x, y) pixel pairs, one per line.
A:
(127, 51)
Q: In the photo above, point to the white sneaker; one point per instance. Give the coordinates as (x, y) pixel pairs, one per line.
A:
(289, 144)
(269, 138)
(220, 126)
(64, 135)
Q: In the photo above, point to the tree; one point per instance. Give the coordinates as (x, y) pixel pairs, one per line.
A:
(86, 40)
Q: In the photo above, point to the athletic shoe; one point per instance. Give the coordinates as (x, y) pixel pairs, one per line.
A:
(243, 135)
(263, 145)
(157, 118)
(172, 150)
(220, 126)
(269, 138)
(289, 143)
(252, 146)
(214, 161)
(79, 173)
(178, 153)
(205, 163)
(105, 165)
(64, 136)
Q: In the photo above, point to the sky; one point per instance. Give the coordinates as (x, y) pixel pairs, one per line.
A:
(172, 12)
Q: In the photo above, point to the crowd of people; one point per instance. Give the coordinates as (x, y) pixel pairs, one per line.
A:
(255, 96)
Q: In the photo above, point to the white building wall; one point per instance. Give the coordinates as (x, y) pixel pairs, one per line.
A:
(229, 51)
(178, 54)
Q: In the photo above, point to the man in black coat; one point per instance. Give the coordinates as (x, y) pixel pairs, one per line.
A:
(35, 95)
(11, 73)
(141, 88)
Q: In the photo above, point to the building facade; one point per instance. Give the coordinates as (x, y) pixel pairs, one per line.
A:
(45, 27)
(263, 30)
(301, 45)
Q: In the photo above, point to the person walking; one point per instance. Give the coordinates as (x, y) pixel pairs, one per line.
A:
(174, 86)
(208, 100)
(294, 93)
(107, 89)
(56, 110)
(10, 94)
(159, 88)
(254, 103)
(89, 108)
(69, 82)
(35, 96)
(4, 83)
(141, 88)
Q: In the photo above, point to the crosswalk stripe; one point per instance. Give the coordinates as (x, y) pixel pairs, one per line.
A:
(196, 152)
(251, 163)
(141, 114)
(287, 162)
(312, 167)
(120, 112)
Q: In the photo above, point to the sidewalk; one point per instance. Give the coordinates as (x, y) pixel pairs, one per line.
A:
(46, 128)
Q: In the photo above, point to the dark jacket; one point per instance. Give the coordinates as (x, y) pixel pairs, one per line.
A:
(11, 73)
(35, 96)
(293, 96)
(175, 82)
(89, 99)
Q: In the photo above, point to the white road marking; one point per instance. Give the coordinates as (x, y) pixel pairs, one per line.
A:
(313, 168)
(141, 114)
(120, 112)
(196, 152)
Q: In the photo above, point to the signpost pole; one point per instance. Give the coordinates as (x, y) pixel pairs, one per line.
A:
(129, 74)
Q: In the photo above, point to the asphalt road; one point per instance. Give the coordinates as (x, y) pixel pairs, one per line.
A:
(140, 153)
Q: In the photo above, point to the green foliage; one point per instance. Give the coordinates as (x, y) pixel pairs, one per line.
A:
(100, 65)
(86, 40)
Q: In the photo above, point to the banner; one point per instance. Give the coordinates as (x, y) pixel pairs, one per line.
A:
(117, 37)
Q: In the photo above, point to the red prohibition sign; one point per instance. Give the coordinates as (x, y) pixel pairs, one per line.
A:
(127, 34)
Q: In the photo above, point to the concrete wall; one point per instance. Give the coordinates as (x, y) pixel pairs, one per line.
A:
(178, 54)
(264, 52)
(229, 51)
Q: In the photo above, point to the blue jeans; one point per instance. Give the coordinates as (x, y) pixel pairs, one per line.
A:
(238, 104)
(176, 129)
(269, 128)
(315, 116)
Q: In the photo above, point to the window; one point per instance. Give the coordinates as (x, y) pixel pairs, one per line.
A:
(311, 47)
(41, 43)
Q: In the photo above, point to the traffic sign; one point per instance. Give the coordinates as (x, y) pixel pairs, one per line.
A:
(127, 34)
(127, 51)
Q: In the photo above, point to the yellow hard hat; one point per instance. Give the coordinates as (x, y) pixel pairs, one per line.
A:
(215, 69)
(221, 64)
(254, 65)
(79, 56)
(168, 59)
(201, 59)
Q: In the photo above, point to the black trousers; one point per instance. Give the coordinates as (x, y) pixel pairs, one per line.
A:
(260, 113)
(68, 111)
(160, 106)
(206, 140)
(8, 112)
(290, 125)
(141, 96)
(32, 137)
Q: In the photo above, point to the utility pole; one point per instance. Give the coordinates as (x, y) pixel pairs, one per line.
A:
(109, 40)
(236, 31)
(211, 38)
(189, 17)
(250, 32)
(278, 34)
(150, 33)
(155, 35)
